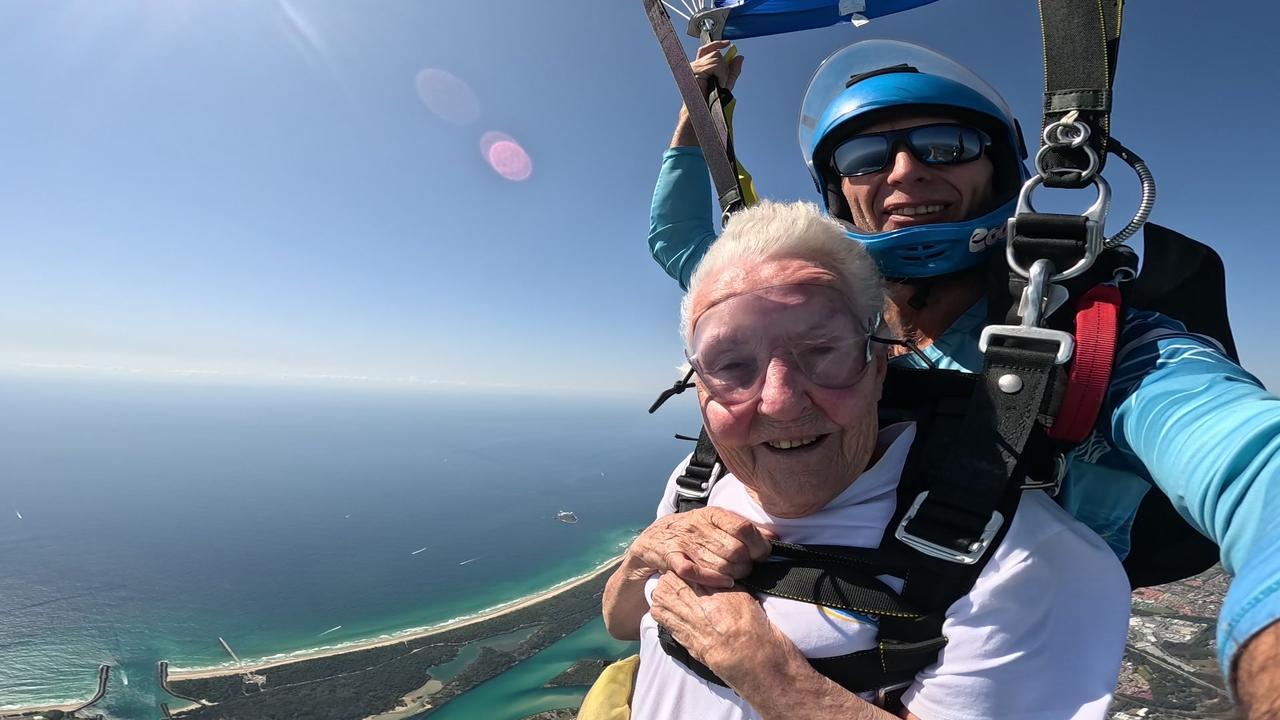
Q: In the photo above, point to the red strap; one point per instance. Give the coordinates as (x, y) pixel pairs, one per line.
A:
(1097, 326)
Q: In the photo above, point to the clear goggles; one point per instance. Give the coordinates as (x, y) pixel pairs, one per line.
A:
(812, 328)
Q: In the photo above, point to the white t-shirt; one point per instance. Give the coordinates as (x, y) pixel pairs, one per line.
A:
(1040, 635)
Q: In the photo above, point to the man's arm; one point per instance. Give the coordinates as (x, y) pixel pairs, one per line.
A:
(680, 224)
(1257, 675)
(1209, 436)
(680, 219)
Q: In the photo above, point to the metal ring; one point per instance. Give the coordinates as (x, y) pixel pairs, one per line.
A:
(1053, 134)
(1087, 174)
(1124, 275)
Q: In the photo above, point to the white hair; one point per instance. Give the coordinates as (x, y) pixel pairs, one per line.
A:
(797, 230)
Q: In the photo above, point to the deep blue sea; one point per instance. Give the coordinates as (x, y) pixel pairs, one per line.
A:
(158, 517)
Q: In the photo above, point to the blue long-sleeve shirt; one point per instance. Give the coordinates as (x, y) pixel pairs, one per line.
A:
(1179, 415)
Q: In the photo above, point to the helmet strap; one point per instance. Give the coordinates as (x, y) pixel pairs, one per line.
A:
(920, 298)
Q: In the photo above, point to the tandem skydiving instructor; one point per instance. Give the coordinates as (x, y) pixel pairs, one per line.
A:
(921, 161)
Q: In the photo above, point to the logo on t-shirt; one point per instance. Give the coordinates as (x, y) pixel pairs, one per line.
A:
(850, 616)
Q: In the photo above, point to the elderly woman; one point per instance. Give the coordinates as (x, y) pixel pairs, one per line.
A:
(778, 325)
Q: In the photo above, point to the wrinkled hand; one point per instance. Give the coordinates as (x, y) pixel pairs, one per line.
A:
(710, 63)
(709, 546)
(725, 629)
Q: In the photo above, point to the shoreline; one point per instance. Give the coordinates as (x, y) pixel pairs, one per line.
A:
(404, 636)
(33, 709)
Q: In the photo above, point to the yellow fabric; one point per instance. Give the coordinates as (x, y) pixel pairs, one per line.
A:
(610, 697)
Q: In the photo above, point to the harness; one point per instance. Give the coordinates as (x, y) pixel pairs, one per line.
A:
(1057, 303)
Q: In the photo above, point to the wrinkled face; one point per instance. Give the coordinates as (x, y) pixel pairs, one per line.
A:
(797, 445)
(908, 192)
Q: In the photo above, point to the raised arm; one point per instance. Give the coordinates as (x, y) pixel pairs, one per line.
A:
(680, 220)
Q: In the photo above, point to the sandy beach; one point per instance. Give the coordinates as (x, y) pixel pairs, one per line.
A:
(199, 673)
(19, 712)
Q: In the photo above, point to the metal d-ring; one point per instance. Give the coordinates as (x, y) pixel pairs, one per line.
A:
(1088, 173)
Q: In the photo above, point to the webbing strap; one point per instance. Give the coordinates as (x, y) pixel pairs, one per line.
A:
(840, 578)
(885, 665)
(693, 486)
(830, 578)
(983, 459)
(1097, 332)
(711, 128)
(882, 666)
(1081, 43)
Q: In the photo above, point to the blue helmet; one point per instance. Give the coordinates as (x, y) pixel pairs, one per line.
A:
(870, 81)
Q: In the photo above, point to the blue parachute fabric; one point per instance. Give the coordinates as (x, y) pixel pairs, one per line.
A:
(752, 18)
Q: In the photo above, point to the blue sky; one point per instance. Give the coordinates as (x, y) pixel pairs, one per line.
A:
(254, 191)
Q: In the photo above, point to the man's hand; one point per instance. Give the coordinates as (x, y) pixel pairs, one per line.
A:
(708, 546)
(709, 63)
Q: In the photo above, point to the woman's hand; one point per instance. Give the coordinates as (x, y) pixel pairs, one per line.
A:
(709, 546)
(728, 632)
(725, 629)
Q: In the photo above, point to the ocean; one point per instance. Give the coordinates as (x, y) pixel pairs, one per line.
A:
(156, 518)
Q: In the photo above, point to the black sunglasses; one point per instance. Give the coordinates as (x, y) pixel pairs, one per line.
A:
(943, 144)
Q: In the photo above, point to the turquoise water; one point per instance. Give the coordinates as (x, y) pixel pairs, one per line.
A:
(445, 672)
(519, 692)
(156, 519)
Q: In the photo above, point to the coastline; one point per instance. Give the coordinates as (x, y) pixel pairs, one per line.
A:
(34, 709)
(395, 639)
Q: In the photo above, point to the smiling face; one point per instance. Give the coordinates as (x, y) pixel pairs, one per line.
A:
(797, 445)
(908, 192)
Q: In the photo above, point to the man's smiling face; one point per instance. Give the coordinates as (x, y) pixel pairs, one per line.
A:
(908, 192)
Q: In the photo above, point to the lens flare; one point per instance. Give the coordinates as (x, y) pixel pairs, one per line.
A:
(448, 96)
(506, 156)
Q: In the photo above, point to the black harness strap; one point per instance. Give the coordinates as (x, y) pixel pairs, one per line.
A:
(957, 514)
(1081, 44)
(693, 486)
(710, 127)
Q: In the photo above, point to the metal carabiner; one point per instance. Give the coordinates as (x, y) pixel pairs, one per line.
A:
(1095, 224)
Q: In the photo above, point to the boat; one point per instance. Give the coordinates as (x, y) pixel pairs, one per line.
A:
(567, 516)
